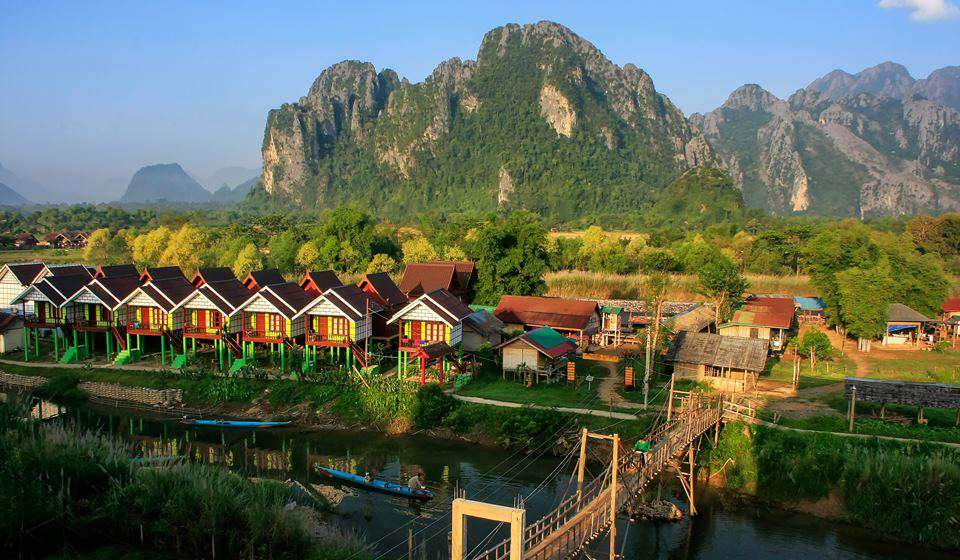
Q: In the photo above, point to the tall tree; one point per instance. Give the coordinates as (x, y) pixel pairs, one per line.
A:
(248, 260)
(655, 293)
(721, 281)
(511, 257)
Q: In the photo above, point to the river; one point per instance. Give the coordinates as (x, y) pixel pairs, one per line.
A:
(724, 528)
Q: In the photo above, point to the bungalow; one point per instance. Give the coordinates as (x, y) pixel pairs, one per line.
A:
(24, 241)
(904, 326)
(453, 276)
(80, 238)
(116, 270)
(212, 313)
(385, 292)
(216, 274)
(270, 317)
(614, 325)
(949, 314)
(99, 309)
(262, 278)
(481, 328)
(430, 327)
(543, 352)
(341, 319)
(768, 318)
(14, 278)
(50, 296)
(573, 318)
(152, 273)
(56, 239)
(318, 282)
(728, 363)
(148, 313)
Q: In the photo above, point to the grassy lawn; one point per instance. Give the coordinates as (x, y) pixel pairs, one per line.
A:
(824, 373)
(660, 389)
(937, 367)
(46, 255)
(491, 385)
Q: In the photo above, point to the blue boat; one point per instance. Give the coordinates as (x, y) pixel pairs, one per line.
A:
(377, 484)
(234, 423)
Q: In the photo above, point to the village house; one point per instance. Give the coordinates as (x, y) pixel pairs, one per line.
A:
(431, 330)
(211, 315)
(542, 352)
(14, 278)
(271, 317)
(481, 329)
(262, 278)
(385, 292)
(573, 318)
(50, 297)
(455, 277)
(148, 313)
(11, 332)
(24, 241)
(340, 320)
(768, 318)
(215, 274)
(80, 238)
(904, 326)
(728, 363)
(614, 325)
(99, 309)
(318, 282)
(810, 309)
(57, 240)
(949, 315)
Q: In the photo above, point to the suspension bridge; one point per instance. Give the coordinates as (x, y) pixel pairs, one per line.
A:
(589, 512)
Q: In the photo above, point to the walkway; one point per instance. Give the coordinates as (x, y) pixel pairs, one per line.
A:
(584, 411)
(607, 389)
(81, 365)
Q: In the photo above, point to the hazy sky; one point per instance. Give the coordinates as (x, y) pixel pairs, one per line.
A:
(91, 91)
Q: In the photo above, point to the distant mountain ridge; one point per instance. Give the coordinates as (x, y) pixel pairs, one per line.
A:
(866, 144)
(164, 182)
(10, 197)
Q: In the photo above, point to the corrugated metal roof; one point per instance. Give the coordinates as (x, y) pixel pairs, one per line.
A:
(546, 311)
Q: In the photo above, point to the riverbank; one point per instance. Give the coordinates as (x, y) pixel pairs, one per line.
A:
(902, 490)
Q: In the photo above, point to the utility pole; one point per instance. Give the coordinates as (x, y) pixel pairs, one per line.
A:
(615, 466)
(646, 372)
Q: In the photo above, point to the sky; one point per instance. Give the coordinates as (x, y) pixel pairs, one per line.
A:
(90, 91)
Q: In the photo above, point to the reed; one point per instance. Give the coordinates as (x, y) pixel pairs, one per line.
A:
(682, 287)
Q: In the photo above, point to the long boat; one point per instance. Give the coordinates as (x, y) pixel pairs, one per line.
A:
(377, 484)
(235, 423)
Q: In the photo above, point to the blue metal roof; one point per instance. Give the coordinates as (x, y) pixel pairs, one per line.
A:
(809, 303)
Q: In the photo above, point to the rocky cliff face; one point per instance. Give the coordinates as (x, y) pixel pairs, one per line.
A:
(845, 145)
(541, 120)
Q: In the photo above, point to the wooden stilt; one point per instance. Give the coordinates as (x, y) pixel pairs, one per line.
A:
(582, 463)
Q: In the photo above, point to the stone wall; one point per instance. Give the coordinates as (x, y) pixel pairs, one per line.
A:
(903, 392)
(104, 391)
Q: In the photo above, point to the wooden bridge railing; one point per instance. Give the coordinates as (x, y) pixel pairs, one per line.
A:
(583, 516)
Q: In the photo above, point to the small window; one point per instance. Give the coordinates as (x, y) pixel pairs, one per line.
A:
(754, 332)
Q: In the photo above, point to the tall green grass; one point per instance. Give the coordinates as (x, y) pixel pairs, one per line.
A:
(905, 490)
(682, 287)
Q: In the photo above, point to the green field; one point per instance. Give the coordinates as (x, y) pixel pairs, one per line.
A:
(935, 367)
(54, 256)
(824, 373)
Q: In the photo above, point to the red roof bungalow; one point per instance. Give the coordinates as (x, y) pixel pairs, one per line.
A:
(212, 313)
(271, 316)
(341, 317)
(318, 282)
(262, 278)
(578, 319)
(429, 328)
(56, 239)
(149, 312)
(454, 277)
(80, 238)
(98, 308)
(765, 317)
(382, 289)
(541, 351)
(24, 240)
(216, 274)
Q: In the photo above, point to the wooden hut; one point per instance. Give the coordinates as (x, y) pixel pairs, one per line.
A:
(340, 320)
(904, 326)
(215, 274)
(430, 329)
(148, 313)
(385, 292)
(262, 278)
(24, 241)
(573, 318)
(481, 329)
(728, 363)
(614, 325)
(268, 317)
(767, 318)
(99, 309)
(810, 309)
(211, 314)
(318, 282)
(50, 297)
(543, 352)
(80, 238)
(56, 239)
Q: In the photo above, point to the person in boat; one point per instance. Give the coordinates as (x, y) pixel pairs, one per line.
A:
(367, 478)
(416, 481)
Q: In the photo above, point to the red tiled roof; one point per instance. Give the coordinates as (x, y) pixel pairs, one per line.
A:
(421, 278)
(546, 311)
(951, 305)
(261, 278)
(319, 281)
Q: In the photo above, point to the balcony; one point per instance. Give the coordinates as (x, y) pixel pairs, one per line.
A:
(260, 335)
(139, 327)
(35, 322)
(201, 331)
(92, 325)
(317, 339)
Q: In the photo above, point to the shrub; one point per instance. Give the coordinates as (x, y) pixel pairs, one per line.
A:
(433, 405)
(816, 342)
(62, 388)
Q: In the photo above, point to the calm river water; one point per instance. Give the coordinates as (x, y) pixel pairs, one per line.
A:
(724, 528)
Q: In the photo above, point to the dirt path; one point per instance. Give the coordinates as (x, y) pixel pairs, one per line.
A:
(507, 404)
(607, 389)
(849, 351)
